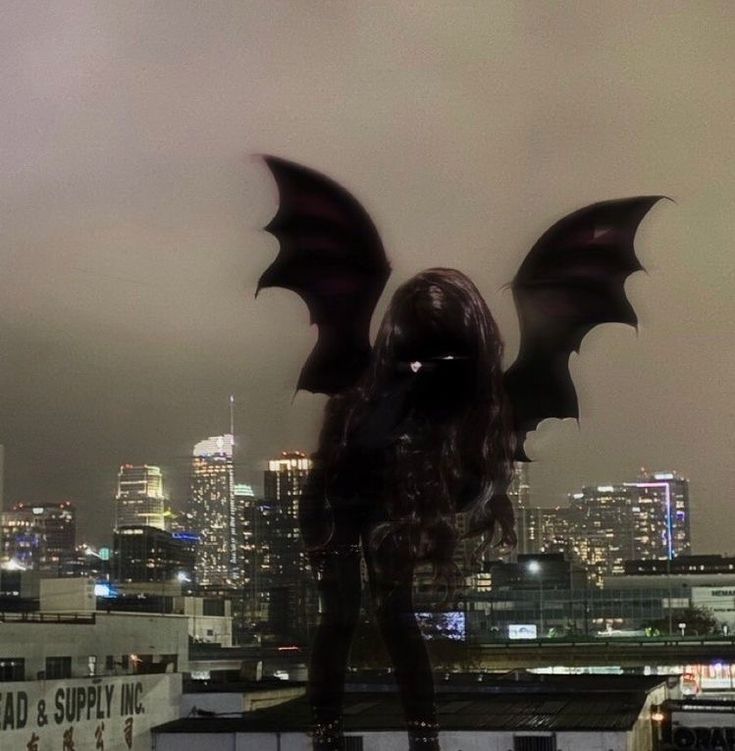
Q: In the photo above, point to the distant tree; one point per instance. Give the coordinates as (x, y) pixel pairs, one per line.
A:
(699, 622)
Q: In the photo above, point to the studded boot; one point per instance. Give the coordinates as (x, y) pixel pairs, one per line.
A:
(423, 735)
(327, 736)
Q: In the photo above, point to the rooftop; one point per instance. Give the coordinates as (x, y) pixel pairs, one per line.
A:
(514, 702)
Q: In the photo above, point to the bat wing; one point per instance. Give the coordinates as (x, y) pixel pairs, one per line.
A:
(332, 256)
(571, 280)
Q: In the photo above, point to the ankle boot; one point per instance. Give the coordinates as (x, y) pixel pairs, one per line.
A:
(327, 736)
(423, 736)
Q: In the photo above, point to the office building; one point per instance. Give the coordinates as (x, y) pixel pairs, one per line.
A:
(88, 681)
(2, 480)
(520, 711)
(213, 511)
(284, 576)
(528, 517)
(519, 491)
(603, 521)
(140, 500)
(38, 536)
(147, 554)
(543, 590)
(685, 564)
(663, 523)
(284, 482)
(606, 525)
(250, 554)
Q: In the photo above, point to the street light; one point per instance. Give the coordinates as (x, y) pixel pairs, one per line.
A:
(534, 567)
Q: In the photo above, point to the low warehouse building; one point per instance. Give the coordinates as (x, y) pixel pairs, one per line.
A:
(568, 713)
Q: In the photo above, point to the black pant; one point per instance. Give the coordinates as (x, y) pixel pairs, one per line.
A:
(390, 574)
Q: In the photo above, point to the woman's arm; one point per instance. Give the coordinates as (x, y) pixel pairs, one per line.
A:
(315, 513)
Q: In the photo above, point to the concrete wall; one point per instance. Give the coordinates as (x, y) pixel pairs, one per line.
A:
(389, 741)
(71, 595)
(233, 701)
(720, 600)
(115, 634)
(211, 629)
(220, 702)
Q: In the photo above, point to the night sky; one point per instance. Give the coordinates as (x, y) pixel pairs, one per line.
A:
(132, 207)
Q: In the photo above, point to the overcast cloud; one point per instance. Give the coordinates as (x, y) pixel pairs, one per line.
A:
(131, 213)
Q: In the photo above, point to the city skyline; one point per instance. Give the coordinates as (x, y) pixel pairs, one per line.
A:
(533, 521)
(523, 492)
(647, 500)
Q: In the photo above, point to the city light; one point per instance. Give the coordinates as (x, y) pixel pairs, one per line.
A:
(13, 565)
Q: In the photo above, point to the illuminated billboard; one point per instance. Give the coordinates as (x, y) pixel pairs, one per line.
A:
(522, 631)
(449, 625)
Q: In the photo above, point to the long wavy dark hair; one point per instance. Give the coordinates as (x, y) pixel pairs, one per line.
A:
(453, 455)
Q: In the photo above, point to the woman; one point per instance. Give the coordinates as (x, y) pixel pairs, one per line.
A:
(422, 437)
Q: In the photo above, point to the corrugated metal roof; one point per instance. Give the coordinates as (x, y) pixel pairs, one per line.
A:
(552, 711)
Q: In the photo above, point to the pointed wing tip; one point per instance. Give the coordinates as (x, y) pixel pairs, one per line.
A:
(276, 165)
(650, 201)
(269, 160)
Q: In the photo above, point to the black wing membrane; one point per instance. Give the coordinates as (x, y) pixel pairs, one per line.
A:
(332, 256)
(571, 280)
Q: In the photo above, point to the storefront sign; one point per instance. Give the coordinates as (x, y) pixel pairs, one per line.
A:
(87, 714)
(702, 739)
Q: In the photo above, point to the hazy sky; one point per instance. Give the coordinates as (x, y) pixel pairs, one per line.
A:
(131, 213)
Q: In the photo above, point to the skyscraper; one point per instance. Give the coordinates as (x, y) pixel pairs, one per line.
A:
(284, 482)
(528, 518)
(605, 525)
(150, 554)
(283, 560)
(602, 522)
(213, 511)
(39, 536)
(664, 527)
(249, 553)
(139, 500)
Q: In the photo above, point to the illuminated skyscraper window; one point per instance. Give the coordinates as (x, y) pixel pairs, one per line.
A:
(283, 571)
(214, 512)
(606, 525)
(38, 536)
(140, 500)
(666, 494)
